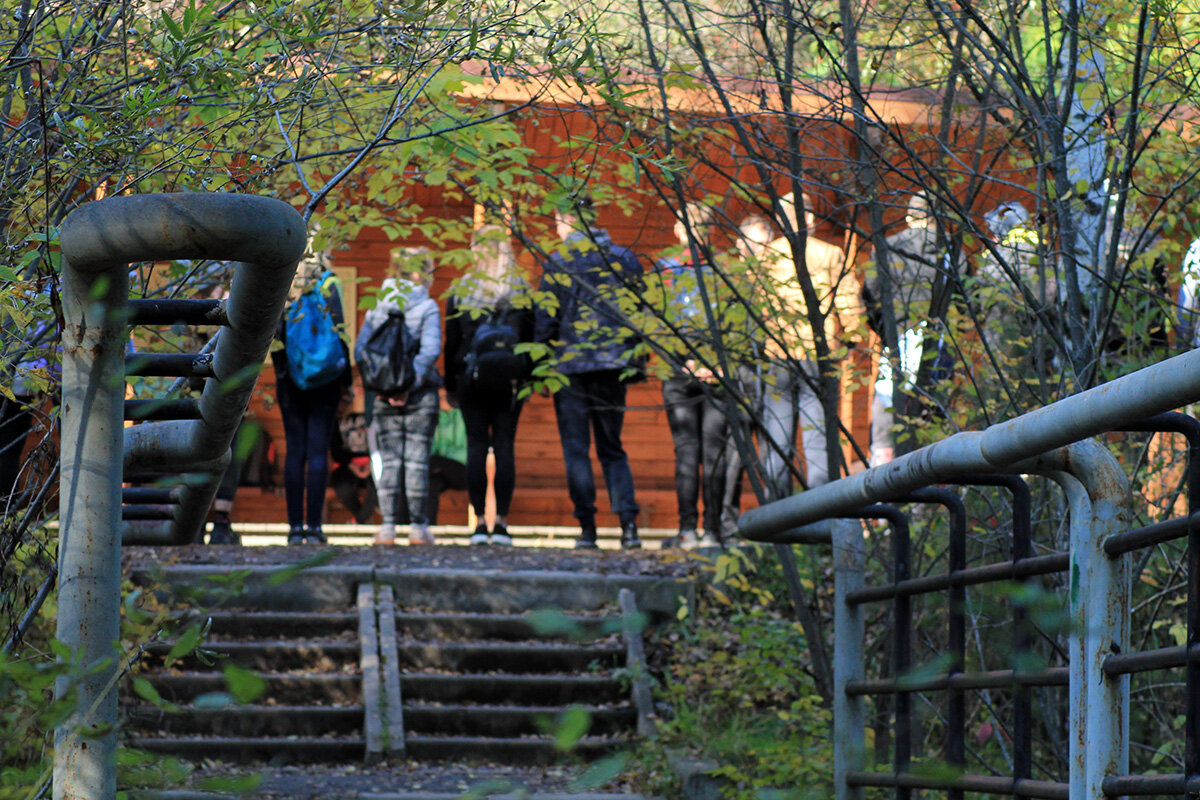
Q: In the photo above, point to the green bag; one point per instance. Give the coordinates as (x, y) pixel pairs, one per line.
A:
(450, 438)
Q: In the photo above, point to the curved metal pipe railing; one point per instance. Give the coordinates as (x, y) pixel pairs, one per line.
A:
(99, 241)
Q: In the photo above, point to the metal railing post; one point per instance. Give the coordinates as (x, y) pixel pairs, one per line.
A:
(89, 569)
(99, 240)
(849, 663)
(1099, 592)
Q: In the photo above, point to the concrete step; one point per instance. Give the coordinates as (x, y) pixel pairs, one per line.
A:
(495, 750)
(251, 721)
(508, 721)
(309, 688)
(283, 624)
(312, 624)
(278, 656)
(242, 749)
(508, 657)
(334, 588)
(499, 687)
(501, 626)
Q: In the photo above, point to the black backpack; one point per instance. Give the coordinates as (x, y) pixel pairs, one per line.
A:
(385, 356)
(492, 365)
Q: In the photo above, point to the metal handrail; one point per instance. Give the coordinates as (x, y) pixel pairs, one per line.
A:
(1056, 442)
(98, 241)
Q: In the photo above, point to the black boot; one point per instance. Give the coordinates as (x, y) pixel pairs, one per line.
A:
(629, 536)
(222, 530)
(587, 536)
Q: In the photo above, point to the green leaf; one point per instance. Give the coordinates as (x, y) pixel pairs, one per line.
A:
(185, 644)
(572, 725)
(245, 685)
(281, 576)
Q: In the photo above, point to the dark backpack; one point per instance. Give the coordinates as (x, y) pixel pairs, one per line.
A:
(492, 365)
(385, 356)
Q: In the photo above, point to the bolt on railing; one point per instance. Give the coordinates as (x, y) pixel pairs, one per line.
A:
(187, 454)
(1054, 442)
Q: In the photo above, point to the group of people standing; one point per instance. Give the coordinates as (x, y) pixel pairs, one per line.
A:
(736, 378)
(403, 423)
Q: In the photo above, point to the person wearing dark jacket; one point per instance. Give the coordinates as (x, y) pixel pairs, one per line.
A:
(487, 305)
(308, 419)
(587, 276)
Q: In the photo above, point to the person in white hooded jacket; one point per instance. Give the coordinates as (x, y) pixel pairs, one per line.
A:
(402, 425)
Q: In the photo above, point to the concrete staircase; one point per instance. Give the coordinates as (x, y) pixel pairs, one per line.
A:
(398, 664)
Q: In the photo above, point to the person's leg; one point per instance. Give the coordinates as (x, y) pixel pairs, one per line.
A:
(504, 436)
(222, 531)
(883, 449)
(293, 411)
(682, 399)
(607, 396)
(571, 409)
(388, 434)
(419, 425)
(714, 450)
(812, 432)
(777, 434)
(475, 421)
(323, 405)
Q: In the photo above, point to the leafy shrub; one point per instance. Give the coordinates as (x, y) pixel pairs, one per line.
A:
(738, 696)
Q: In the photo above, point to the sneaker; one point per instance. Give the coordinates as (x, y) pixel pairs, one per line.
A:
(684, 540)
(500, 536)
(629, 536)
(480, 536)
(709, 540)
(314, 535)
(222, 532)
(295, 535)
(420, 534)
(587, 537)
(386, 535)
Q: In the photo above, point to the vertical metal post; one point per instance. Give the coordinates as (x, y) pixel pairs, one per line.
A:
(902, 649)
(849, 715)
(89, 570)
(1098, 491)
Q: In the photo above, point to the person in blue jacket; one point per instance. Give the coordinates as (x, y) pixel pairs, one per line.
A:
(593, 349)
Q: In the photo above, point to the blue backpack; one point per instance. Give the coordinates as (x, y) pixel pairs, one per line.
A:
(315, 353)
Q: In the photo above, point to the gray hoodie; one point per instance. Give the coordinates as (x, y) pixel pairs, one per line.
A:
(424, 322)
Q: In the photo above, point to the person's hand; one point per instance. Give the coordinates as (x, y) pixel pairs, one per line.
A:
(398, 400)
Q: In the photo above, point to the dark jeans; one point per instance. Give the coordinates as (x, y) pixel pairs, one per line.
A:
(495, 428)
(707, 463)
(308, 417)
(595, 402)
